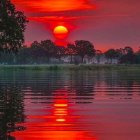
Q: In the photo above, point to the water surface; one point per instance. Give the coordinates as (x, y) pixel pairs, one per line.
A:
(80, 105)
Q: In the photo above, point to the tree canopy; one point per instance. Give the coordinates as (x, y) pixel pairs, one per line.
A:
(12, 27)
(128, 55)
(82, 48)
(112, 53)
(47, 52)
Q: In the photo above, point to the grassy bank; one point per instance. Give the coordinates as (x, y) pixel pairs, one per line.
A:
(69, 67)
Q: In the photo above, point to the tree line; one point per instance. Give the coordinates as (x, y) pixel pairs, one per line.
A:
(12, 27)
(47, 52)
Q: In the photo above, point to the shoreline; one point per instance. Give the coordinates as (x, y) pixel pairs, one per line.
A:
(71, 67)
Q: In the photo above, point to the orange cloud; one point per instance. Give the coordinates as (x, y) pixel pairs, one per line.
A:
(54, 5)
(68, 18)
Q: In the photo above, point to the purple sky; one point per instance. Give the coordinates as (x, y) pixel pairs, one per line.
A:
(106, 23)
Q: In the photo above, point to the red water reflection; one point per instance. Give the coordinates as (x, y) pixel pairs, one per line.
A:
(61, 124)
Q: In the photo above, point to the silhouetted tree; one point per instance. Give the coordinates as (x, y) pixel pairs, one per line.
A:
(37, 51)
(111, 54)
(98, 55)
(12, 27)
(49, 48)
(60, 51)
(71, 50)
(23, 55)
(138, 57)
(128, 55)
(83, 48)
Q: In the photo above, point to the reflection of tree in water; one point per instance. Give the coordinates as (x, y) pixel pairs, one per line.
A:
(47, 83)
(115, 78)
(113, 83)
(44, 82)
(82, 84)
(13, 84)
(11, 111)
(121, 83)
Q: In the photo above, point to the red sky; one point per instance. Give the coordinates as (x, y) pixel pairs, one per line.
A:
(106, 23)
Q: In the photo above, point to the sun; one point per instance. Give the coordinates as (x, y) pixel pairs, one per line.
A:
(60, 32)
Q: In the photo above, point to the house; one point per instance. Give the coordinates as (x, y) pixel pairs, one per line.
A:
(88, 60)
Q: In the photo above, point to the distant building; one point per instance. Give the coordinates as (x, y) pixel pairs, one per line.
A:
(89, 60)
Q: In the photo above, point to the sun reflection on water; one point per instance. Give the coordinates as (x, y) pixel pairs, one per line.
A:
(61, 124)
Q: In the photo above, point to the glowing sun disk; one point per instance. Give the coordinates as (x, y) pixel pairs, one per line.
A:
(60, 32)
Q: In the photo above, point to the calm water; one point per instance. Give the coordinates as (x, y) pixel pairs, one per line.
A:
(70, 105)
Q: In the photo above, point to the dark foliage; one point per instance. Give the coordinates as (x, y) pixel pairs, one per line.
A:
(83, 48)
(127, 56)
(12, 27)
(46, 52)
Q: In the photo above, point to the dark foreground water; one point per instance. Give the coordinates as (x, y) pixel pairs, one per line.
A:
(70, 105)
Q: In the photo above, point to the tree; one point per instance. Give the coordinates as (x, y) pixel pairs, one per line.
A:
(23, 55)
(49, 48)
(112, 54)
(83, 48)
(137, 57)
(60, 51)
(98, 55)
(70, 50)
(37, 51)
(128, 55)
(12, 27)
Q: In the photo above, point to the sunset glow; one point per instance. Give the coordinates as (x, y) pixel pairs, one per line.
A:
(97, 21)
(54, 5)
(60, 32)
(69, 70)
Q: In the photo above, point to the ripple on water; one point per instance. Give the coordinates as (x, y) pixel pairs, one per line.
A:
(72, 105)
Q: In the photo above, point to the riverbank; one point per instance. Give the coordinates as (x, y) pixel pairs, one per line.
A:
(70, 67)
